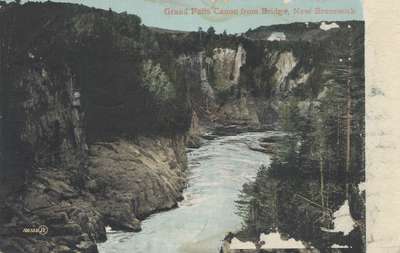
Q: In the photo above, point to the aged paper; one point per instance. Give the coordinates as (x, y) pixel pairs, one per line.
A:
(382, 98)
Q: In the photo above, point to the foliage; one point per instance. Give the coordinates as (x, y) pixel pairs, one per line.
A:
(157, 82)
(323, 155)
(106, 52)
(211, 31)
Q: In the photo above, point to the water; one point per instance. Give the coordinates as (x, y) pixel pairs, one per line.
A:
(217, 172)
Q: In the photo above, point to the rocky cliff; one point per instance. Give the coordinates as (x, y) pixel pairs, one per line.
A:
(93, 129)
(96, 110)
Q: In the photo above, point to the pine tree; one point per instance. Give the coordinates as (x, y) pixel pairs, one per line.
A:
(211, 31)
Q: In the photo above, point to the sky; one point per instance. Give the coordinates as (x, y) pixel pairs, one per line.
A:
(155, 12)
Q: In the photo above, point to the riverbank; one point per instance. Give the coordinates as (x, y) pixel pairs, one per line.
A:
(132, 179)
(282, 208)
(127, 180)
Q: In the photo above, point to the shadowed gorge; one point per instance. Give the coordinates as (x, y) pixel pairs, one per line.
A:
(97, 111)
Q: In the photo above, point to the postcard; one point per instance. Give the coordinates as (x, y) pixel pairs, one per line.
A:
(188, 126)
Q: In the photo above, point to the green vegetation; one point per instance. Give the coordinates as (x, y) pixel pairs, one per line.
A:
(157, 82)
(320, 164)
(211, 31)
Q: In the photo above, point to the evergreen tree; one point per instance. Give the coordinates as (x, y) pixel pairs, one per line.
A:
(211, 31)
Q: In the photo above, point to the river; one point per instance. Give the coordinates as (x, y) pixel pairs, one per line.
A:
(217, 170)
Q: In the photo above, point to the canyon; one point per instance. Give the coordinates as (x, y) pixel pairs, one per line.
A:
(97, 111)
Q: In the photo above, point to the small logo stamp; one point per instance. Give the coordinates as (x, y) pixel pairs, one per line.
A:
(41, 230)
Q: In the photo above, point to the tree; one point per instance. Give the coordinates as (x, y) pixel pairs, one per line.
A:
(200, 30)
(211, 31)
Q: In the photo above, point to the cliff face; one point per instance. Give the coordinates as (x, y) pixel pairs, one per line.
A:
(213, 79)
(230, 88)
(84, 107)
(135, 178)
(45, 162)
(96, 111)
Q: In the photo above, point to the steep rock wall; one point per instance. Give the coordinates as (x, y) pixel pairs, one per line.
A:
(230, 88)
(46, 164)
(83, 101)
(134, 178)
